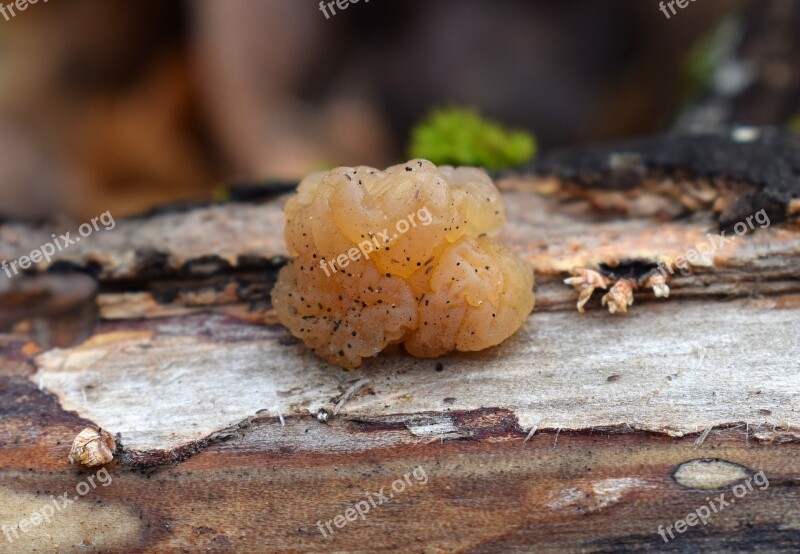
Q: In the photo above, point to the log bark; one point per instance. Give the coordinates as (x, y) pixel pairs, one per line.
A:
(583, 432)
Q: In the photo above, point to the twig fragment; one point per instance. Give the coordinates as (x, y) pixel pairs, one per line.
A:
(349, 393)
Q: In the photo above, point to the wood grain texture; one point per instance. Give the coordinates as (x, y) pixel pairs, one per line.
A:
(263, 490)
(676, 368)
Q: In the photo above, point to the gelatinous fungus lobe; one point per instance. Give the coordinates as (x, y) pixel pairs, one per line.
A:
(399, 256)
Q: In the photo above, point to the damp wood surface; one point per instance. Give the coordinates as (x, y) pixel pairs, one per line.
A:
(570, 435)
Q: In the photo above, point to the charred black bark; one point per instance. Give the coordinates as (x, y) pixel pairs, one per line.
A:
(766, 161)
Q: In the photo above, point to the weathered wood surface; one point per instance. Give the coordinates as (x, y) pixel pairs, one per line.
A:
(567, 436)
(675, 368)
(265, 488)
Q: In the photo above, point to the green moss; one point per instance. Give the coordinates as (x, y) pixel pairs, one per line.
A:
(794, 123)
(698, 67)
(706, 54)
(457, 136)
(221, 193)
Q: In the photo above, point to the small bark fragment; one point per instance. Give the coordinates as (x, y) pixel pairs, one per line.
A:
(92, 447)
(658, 282)
(619, 297)
(585, 281)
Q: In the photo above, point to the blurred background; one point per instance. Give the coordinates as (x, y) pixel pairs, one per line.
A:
(122, 106)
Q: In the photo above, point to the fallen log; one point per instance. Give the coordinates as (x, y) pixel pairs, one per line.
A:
(584, 431)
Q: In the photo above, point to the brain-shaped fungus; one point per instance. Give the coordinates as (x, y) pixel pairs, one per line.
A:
(399, 256)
